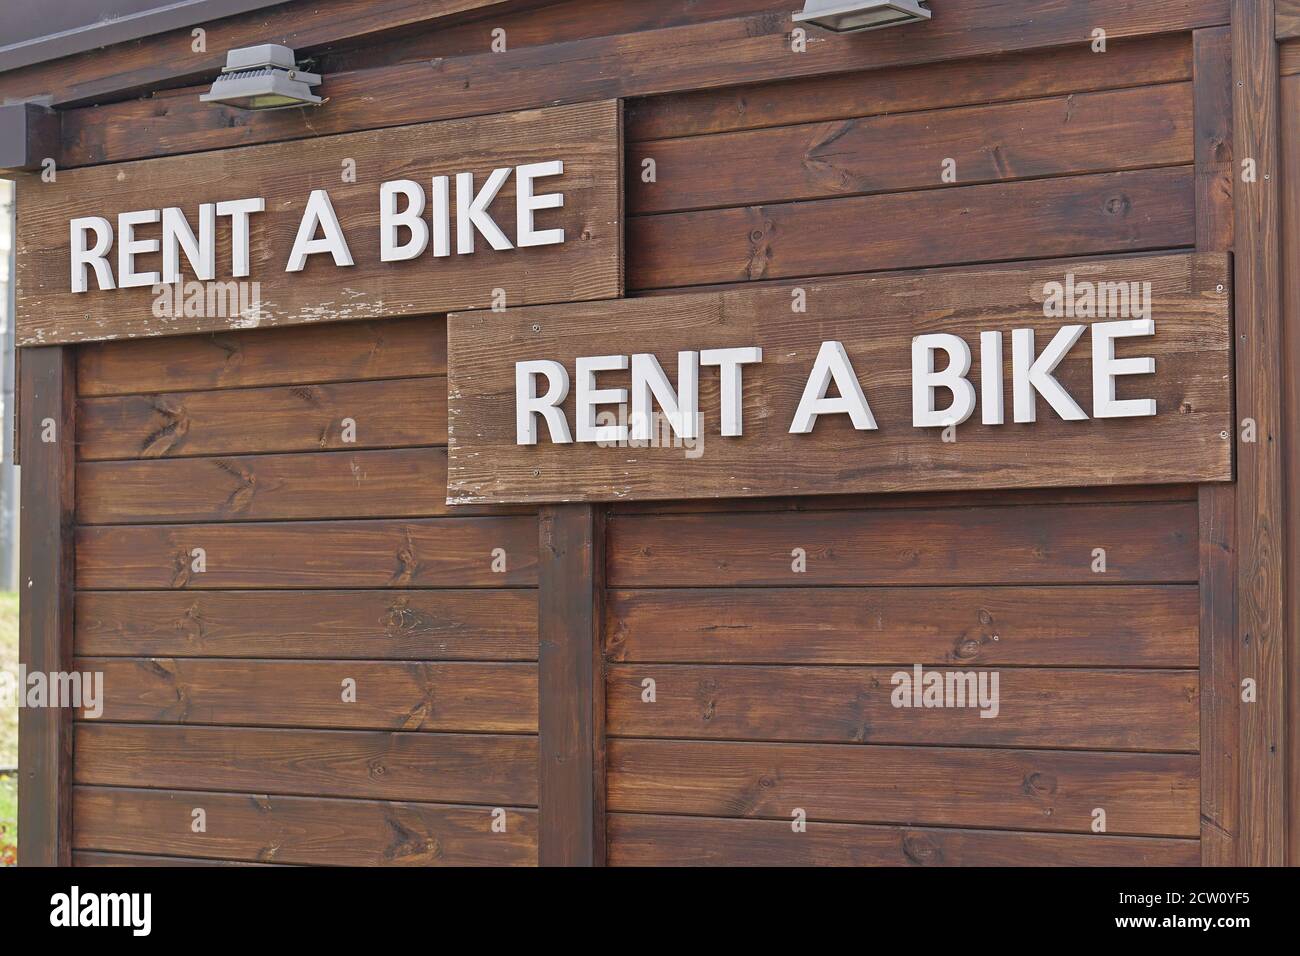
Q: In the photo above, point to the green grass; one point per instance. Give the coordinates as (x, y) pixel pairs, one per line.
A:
(8, 730)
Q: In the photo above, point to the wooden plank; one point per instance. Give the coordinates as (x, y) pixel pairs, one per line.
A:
(1290, 154)
(1261, 531)
(1220, 683)
(571, 686)
(1013, 76)
(341, 352)
(170, 57)
(1068, 627)
(587, 265)
(690, 57)
(445, 768)
(408, 482)
(1142, 794)
(96, 858)
(338, 625)
(1027, 707)
(420, 552)
(637, 839)
(1187, 440)
(1215, 170)
(387, 695)
(1071, 216)
(1287, 19)
(47, 387)
(1073, 135)
(391, 413)
(302, 830)
(976, 546)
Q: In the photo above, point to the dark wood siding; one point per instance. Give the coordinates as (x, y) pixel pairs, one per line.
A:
(326, 560)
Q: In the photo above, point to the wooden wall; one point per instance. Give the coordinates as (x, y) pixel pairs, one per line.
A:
(325, 560)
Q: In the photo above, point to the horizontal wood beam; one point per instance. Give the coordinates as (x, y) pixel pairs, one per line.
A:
(697, 56)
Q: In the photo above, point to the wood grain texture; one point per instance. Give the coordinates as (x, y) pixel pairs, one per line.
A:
(1215, 169)
(1185, 441)
(1287, 19)
(301, 830)
(571, 686)
(874, 92)
(1220, 680)
(429, 552)
(1143, 794)
(637, 839)
(98, 858)
(976, 546)
(1035, 707)
(588, 265)
(389, 695)
(1261, 530)
(1073, 135)
(341, 625)
(284, 418)
(339, 352)
(409, 482)
(1069, 216)
(695, 56)
(47, 389)
(494, 770)
(1075, 626)
(1290, 149)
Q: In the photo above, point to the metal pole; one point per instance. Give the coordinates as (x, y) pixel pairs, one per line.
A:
(8, 473)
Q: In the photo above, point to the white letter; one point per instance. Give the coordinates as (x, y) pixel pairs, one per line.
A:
(526, 203)
(527, 402)
(925, 381)
(729, 362)
(391, 221)
(440, 213)
(319, 213)
(832, 363)
(1028, 374)
(589, 396)
(177, 237)
(991, 378)
(471, 215)
(239, 210)
(128, 247)
(95, 257)
(681, 407)
(1105, 368)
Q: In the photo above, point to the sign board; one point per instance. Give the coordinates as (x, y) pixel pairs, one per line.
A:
(504, 210)
(1099, 373)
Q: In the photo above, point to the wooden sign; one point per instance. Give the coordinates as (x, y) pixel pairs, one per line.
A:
(504, 210)
(1098, 373)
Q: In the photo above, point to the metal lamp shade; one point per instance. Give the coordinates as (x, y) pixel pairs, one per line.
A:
(840, 16)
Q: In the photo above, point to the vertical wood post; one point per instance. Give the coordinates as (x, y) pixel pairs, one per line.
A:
(48, 434)
(571, 687)
(1259, 350)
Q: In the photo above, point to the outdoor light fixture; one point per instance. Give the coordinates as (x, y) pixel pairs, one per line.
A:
(263, 77)
(841, 16)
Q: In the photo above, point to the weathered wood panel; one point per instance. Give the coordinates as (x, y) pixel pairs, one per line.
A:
(338, 352)
(429, 552)
(302, 830)
(1150, 794)
(396, 412)
(1011, 76)
(588, 265)
(98, 858)
(446, 768)
(1029, 707)
(408, 482)
(690, 57)
(1034, 545)
(1075, 626)
(498, 625)
(388, 695)
(1071, 135)
(1187, 440)
(646, 840)
(47, 392)
(1070, 216)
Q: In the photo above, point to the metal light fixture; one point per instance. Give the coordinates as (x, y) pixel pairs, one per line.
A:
(263, 77)
(841, 16)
